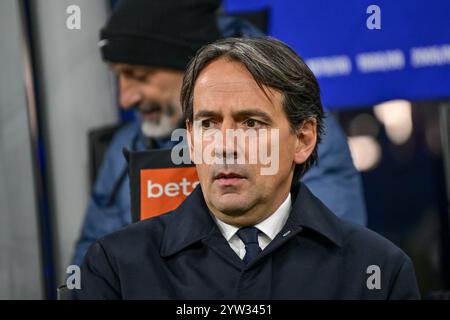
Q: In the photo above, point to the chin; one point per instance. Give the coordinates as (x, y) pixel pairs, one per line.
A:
(232, 204)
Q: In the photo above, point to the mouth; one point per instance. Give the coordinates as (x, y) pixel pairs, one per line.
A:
(229, 178)
(152, 113)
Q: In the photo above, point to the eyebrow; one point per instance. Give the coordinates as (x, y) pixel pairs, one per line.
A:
(206, 114)
(239, 114)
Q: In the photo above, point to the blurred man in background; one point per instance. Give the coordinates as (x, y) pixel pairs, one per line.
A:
(148, 45)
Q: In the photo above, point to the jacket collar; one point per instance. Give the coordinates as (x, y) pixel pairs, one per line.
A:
(310, 213)
(191, 222)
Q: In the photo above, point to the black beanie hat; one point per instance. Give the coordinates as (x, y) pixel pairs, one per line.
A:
(163, 33)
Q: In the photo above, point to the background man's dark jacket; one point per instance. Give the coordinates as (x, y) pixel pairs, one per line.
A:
(183, 255)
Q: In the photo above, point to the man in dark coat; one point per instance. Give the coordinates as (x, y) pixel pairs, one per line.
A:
(250, 230)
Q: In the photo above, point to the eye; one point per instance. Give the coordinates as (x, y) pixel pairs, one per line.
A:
(141, 77)
(252, 123)
(207, 124)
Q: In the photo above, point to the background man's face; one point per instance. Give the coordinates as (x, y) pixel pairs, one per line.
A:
(155, 92)
(227, 97)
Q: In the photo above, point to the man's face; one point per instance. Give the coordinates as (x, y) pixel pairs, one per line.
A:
(227, 97)
(155, 92)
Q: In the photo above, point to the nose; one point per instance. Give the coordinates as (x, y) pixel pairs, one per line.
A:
(228, 149)
(129, 92)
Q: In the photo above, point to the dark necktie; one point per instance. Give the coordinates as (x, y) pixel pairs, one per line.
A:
(249, 235)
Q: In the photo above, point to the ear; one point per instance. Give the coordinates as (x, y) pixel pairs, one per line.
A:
(306, 140)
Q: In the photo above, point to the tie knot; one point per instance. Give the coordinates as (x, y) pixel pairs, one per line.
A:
(248, 235)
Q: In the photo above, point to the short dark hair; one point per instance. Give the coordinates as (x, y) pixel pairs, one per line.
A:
(272, 64)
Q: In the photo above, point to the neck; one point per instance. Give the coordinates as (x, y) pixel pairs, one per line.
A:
(255, 214)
